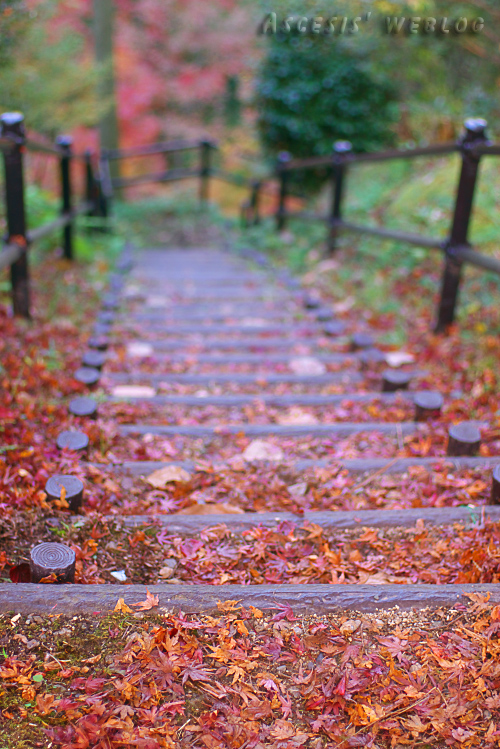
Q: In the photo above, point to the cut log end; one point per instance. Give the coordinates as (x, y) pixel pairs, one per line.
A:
(361, 341)
(463, 439)
(107, 317)
(83, 407)
(72, 441)
(110, 302)
(88, 376)
(311, 302)
(102, 329)
(370, 356)
(324, 315)
(495, 487)
(94, 359)
(334, 329)
(428, 405)
(73, 490)
(393, 380)
(99, 343)
(52, 560)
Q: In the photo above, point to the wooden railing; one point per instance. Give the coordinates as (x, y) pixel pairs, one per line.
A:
(457, 251)
(15, 251)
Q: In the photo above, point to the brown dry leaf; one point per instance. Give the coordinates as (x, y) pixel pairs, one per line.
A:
(307, 366)
(350, 626)
(262, 450)
(227, 606)
(133, 391)
(217, 508)
(257, 613)
(297, 416)
(122, 606)
(378, 578)
(148, 603)
(398, 358)
(44, 703)
(49, 579)
(163, 476)
(138, 349)
(94, 659)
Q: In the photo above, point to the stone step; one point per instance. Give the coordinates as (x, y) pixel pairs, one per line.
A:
(204, 342)
(265, 430)
(136, 377)
(298, 328)
(354, 465)
(278, 401)
(250, 358)
(192, 525)
(27, 598)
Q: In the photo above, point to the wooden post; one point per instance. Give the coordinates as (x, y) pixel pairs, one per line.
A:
(428, 405)
(72, 440)
(48, 559)
(91, 191)
(341, 148)
(495, 486)
(395, 379)
(475, 133)
(205, 170)
(73, 490)
(283, 175)
(463, 439)
(84, 407)
(65, 143)
(255, 202)
(12, 127)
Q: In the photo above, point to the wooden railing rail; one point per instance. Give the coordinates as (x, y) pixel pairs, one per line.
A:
(472, 146)
(18, 239)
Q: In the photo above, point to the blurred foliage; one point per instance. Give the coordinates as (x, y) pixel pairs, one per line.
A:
(45, 72)
(440, 78)
(314, 92)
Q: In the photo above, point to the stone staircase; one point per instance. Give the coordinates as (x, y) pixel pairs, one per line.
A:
(240, 368)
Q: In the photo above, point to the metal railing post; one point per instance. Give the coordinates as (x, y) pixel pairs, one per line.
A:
(283, 175)
(205, 170)
(475, 133)
(65, 143)
(340, 149)
(12, 127)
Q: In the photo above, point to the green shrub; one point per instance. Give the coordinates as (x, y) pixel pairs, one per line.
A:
(314, 91)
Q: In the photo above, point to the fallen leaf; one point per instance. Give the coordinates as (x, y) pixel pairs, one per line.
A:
(296, 416)
(163, 476)
(148, 603)
(227, 606)
(119, 575)
(136, 349)
(262, 450)
(133, 391)
(216, 508)
(44, 703)
(397, 358)
(122, 606)
(350, 626)
(307, 366)
(21, 573)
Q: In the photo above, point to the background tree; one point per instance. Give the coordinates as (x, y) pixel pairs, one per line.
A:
(46, 72)
(312, 92)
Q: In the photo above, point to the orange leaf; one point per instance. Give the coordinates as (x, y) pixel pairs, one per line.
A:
(149, 603)
(122, 606)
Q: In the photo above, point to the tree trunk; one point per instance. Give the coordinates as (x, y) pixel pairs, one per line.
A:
(103, 35)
